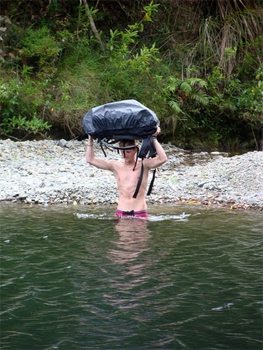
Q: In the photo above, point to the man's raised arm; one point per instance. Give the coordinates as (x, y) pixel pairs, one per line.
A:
(95, 161)
(160, 157)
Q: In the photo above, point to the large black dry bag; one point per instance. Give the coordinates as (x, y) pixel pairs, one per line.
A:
(127, 119)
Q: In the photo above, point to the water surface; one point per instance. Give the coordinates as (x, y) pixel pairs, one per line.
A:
(76, 278)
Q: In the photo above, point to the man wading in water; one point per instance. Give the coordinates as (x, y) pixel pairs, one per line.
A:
(127, 173)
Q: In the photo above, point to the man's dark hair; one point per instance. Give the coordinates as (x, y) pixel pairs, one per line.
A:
(124, 143)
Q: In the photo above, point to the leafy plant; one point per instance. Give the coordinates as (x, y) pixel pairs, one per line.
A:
(132, 68)
(40, 50)
(185, 96)
(149, 11)
(20, 104)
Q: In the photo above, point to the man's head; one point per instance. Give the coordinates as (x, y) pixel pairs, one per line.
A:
(132, 148)
(127, 143)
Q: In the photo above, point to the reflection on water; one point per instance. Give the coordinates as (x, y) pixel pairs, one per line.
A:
(126, 253)
(133, 237)
(184, 279)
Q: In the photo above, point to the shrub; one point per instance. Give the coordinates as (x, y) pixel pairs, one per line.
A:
(20, 104)
(40, 51)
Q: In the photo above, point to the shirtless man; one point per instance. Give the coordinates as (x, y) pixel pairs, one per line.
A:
(127, 178)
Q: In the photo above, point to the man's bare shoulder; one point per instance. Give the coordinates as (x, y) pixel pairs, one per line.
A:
(106, 164)
(117, 164)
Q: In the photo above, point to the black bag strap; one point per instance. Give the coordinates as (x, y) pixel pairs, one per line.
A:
(111, 145)
(139, 182)
(151, 184)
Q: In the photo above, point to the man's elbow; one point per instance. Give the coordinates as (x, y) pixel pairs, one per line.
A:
(89, 160)
(163, 159)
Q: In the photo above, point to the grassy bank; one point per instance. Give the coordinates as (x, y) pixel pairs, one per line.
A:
(200, 69)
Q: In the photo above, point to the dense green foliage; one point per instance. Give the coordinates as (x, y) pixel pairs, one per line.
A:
(197, 64)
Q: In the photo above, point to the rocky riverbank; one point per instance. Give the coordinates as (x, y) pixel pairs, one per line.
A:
(54, 172)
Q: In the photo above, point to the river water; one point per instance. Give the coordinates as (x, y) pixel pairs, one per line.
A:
(76, 278)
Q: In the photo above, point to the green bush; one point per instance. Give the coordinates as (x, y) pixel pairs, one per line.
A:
(20, 104)
(40, 51)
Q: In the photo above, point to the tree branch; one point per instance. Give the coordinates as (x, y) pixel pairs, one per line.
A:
(93, 26)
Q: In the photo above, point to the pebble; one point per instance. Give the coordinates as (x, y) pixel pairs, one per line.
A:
(51, 172)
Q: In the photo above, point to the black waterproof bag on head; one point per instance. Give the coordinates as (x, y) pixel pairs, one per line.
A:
(127, 119)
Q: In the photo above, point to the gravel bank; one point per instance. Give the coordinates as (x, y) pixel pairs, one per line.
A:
(54, 172)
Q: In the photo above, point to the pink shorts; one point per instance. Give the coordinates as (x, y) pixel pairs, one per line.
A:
(132, 213)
